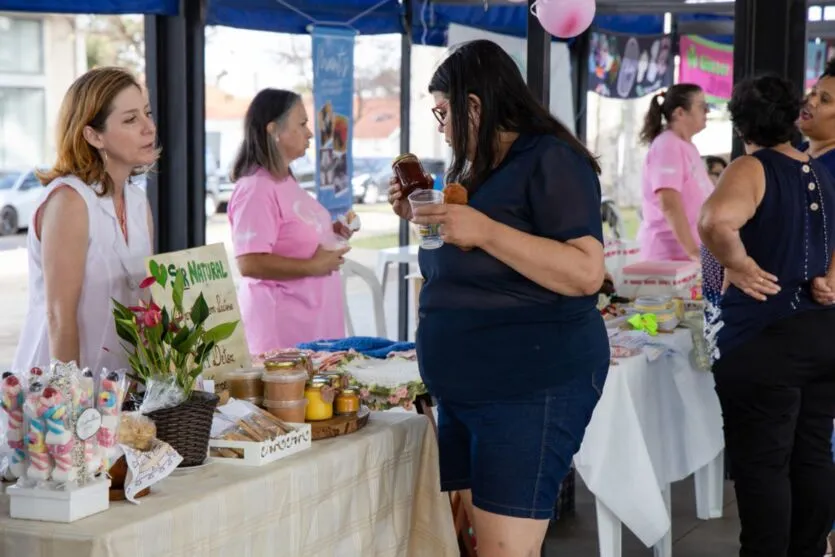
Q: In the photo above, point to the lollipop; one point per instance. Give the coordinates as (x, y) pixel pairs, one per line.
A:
(40, 465)
(109, 404)
(12, 403)
(59, 441)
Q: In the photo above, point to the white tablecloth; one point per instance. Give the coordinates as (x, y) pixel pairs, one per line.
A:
(656, 423)
(375, 492)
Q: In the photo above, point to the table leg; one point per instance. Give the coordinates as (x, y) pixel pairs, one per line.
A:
(609, 534)
(664, 548)
(710, 488)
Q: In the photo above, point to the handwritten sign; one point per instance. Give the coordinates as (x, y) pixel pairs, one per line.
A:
(89, 422)
(206, 270)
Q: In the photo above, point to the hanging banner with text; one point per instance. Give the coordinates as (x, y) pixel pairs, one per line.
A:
(711, 66)
(333, 101)
(629, 66)
(206, 271)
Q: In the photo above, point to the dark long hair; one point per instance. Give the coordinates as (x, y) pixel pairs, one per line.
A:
(663, 105)
(258, 149)
(483, 69)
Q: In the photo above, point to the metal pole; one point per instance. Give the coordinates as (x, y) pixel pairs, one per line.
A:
(405, 130)
(539, 59)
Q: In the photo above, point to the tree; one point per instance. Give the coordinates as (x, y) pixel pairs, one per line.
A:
(114, 40)
(376, 68)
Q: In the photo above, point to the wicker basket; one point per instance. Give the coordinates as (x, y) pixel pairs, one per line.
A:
(187, 427)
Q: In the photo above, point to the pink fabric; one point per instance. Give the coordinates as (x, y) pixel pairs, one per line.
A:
(279, 217)
(674, 164)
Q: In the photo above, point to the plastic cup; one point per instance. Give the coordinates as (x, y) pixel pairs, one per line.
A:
(430, 234)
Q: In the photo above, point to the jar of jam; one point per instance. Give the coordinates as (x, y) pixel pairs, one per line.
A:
(319, 402)
(285, 364)
(411, 175)
(347, 403)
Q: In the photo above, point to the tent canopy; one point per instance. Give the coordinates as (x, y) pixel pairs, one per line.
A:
(157, 7)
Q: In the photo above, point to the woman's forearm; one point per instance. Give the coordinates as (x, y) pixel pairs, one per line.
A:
(672, 207)
(560, 267)
(266, 266)
(724, 243)
(63, 338)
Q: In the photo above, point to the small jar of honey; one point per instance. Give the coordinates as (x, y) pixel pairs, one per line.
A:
(347, 402)
(319, 403)
(411, 174)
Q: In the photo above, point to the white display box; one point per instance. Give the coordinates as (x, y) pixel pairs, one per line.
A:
(658, 278)
(69, 505)
(259, 454)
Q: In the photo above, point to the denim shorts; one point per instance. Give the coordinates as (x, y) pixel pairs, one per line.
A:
(514, 453)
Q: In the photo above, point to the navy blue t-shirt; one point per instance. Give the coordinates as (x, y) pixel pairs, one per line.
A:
(487, 331)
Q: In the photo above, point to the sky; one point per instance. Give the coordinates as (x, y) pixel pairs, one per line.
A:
(251, 63)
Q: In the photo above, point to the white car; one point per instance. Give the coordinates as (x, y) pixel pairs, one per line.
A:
(19, 193)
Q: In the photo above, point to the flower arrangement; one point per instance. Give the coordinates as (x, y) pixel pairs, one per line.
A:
(168, 341)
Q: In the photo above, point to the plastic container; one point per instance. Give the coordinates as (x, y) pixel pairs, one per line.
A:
(289, 410)
(283, 387)
(245, 383)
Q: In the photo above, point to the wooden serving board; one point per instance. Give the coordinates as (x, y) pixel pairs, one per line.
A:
(340, 425)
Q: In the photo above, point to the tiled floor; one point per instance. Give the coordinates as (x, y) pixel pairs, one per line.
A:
(576, 536)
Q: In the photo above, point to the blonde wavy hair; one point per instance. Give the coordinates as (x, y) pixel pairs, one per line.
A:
(88, 102)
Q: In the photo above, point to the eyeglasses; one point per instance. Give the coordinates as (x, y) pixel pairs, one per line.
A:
(440, 113)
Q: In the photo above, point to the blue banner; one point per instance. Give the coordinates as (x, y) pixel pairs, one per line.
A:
(333, 102)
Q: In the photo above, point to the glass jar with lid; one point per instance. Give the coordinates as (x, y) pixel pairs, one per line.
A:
(347, 402)
(411, 174)
(319, 402)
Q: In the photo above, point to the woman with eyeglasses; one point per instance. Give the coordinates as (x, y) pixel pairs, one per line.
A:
(675, 183)
(92, 228)
(509, 341)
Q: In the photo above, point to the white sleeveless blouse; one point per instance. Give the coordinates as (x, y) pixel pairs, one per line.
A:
(113, 270)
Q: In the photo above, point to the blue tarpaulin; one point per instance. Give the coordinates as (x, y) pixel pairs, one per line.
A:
(369, 17)
(159, 7)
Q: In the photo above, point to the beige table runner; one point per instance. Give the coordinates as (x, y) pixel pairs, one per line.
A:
(372, 493)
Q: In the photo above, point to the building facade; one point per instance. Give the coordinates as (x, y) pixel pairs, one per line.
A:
(40, 56)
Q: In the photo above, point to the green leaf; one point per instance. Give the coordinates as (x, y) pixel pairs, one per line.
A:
(193, 337)
(120, 311)
(200, 310)
(127, 331)
(166, 322)
(203, 352)
(177, 292)
(158, 272)
(221, 332)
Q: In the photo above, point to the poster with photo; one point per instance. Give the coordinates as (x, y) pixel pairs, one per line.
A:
(333, 99)
(629, 66)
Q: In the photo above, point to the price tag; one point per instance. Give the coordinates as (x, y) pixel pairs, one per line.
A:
(88, 424)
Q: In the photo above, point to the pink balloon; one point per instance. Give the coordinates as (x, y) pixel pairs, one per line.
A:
(565, 18)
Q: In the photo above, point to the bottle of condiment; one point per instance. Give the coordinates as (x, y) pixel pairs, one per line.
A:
(411, 174)
(317, 406)
(347, 402)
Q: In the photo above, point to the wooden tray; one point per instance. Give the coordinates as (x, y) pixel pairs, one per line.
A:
(340, 425)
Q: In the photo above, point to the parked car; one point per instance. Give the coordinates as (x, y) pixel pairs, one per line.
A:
(19, 192)
(367, 189)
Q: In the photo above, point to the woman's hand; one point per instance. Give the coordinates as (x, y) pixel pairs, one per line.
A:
(399, 204)
(752, 280)
(823, 290)
(325, 262)
(461, 225)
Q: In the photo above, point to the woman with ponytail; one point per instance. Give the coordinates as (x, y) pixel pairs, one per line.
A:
(675, 182)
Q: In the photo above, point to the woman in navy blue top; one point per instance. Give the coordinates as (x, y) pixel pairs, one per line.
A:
(817, 123)
(770, 225)
(510, 340)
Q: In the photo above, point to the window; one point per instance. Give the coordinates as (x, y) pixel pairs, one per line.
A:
(21, 50)
(22, 127)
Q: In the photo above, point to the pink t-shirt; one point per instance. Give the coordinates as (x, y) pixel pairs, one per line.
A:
(674, 164)
(279, 217)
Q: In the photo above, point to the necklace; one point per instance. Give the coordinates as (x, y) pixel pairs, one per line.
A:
(121, 216)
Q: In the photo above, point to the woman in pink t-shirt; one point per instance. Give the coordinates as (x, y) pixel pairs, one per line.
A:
(675, 183)
(285, 242)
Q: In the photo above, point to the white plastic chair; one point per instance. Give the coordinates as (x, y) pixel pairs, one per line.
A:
(353, 269)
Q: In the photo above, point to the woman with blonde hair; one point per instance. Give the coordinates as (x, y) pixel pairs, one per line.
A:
(92, 228)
